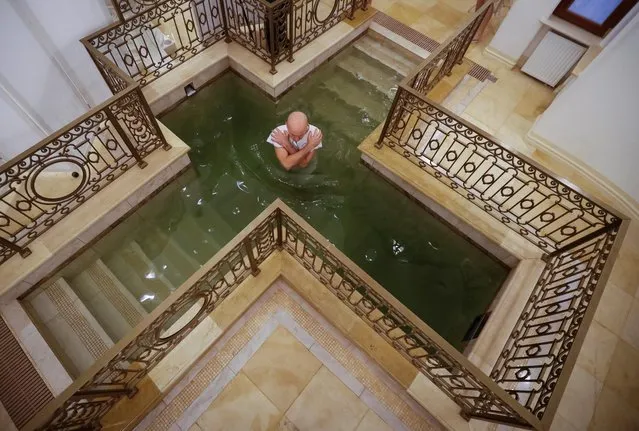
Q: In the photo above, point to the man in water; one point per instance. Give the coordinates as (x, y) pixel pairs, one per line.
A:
(295, 142)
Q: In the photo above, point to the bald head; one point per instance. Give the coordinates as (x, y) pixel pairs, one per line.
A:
(297, 124)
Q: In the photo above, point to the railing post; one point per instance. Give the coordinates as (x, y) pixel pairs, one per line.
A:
(380, 141)
(125, 138)
(152, 119)
(351, 14)
(225, 23)
(24, 252)
(291, 30)
(116, 7)
(248, 247)
(271, 38)
(280, 236)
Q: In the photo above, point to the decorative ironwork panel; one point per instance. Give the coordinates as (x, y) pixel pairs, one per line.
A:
(250, 23)
(134, 113)
(56, 177)
(530, 201)
(312, 18)
(151, 43)
(110, 73)
(132, 7)
(534, 356)
(447, 373)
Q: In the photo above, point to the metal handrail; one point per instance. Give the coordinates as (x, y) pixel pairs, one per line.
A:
(276, 229)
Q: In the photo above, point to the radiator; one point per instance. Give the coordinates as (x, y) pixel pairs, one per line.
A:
(553, 58)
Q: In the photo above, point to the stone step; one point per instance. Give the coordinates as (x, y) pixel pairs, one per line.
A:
(167, 255)
(388, 55)
(139, 275)
(356, 93)
(69, 327)
(368, 69)
(113, 306)
(332, 110)
(195, 241)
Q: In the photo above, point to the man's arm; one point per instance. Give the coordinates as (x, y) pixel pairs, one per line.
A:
(289, 161)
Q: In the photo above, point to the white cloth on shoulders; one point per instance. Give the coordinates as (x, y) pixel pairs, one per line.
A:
(297, 144)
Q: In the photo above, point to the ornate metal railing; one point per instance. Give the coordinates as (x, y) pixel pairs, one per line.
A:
(118, 373)
(512, 188)
(440, 63)
(261, 27)
(54, 177)
(578, 235)
(153, 37)
(552, 326)
(153, 42)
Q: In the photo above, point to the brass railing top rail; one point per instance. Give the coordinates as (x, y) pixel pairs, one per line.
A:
(445, 45)
(84, 378)
(114, 68)
(517, 155)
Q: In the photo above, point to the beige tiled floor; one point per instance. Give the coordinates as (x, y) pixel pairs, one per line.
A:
(282, 366)
(603, 392)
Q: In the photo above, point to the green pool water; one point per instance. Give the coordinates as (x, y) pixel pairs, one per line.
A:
(441, 276)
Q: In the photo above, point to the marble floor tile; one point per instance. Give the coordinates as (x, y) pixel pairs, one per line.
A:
(281, 368)
(630, 332)
(596, 352)
(404, 13)
(535, 101)
(625, 273)
(490, 110)
(613, 413)
(432, 28)
(580, 398)
(623, 377)
(372, 422)
(327, 404)
(241, 406)
(559, 423)
(446, 15)
(613, 308)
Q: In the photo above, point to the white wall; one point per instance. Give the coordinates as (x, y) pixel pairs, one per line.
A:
(520, 27)
(45, 74)
(17, 130)
(597, 117)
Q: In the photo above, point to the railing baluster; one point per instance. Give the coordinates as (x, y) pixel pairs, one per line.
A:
(248, 247)
(23, 251)
(280, 235)
(147, 109)
(291, 30)
(125, 138)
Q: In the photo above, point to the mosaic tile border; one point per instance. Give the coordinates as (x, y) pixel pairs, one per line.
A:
(281, 305)
(427, 43)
